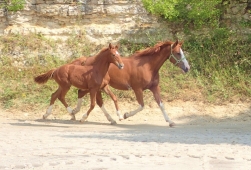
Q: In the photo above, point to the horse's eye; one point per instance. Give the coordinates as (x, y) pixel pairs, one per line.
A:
(178, 53)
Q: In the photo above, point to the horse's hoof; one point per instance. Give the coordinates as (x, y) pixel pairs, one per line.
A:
(73, 117)
(44, 117)
(125, 116)
(120, 119)
(172, 124)
(83, 120)
(113, 123)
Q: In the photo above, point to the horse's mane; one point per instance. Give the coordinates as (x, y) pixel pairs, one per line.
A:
(101, 51)
(151, 50)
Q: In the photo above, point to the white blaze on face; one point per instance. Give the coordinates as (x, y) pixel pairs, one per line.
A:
(119, 64)
(183, 58)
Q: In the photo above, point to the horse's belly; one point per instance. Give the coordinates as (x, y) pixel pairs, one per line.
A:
(79, 82)
(120, 86)
(81, 86)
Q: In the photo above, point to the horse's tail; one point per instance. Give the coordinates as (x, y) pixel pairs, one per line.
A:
(43, 78)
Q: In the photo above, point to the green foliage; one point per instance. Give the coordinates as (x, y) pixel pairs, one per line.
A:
(221, 61)
(32, 41)
(245, 23)
(78, 44)
(17, 88)
(220, 69)
(14, 5)
(190, 12)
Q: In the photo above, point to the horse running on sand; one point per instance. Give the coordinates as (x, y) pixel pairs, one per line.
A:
(89, 77)
(141, 72)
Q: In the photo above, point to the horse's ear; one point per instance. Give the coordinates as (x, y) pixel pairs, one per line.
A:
(176, 43)
(110, 46)
(117, 46)
(181, 42)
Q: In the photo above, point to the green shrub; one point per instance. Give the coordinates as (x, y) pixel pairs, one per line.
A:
(221, 60)
(197, 13)
(13, 5)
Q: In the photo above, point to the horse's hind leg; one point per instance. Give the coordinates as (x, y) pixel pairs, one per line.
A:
(139, 96)
(81, 94)
(54, 96)
(156, 93)
(61, 97)
(100, 103)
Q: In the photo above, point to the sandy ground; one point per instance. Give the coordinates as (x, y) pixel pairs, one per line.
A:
(207, 137)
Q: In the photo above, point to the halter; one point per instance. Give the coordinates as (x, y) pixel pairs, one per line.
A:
(177, 60)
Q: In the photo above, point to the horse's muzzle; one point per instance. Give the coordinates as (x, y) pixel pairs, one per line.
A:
(186, 70)
(120, 66)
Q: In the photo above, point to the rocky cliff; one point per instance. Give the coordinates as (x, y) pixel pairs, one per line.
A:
(100, 20)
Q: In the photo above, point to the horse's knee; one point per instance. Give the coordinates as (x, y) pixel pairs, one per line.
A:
(115, 100)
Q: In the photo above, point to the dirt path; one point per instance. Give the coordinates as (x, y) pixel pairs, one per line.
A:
(206, 137)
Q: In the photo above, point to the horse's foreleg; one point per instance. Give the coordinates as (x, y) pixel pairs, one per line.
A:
(139, 96)
(93, 94)
(114, 98)
(48, 112)
(100, 103)
(54, 96)
(156, 93)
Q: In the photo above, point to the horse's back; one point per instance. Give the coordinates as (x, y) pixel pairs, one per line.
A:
(135, 74)
(79, 61)
(69, 70)
(76, 75)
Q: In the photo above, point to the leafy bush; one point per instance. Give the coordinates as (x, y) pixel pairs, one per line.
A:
(13, 5)
(190, 12)
(221, 62)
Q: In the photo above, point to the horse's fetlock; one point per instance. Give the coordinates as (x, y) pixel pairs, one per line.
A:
(75, 111)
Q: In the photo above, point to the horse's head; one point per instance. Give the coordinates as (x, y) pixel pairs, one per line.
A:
(115, 56)
(177, 56)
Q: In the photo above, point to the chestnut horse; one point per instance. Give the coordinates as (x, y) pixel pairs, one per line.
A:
(141, 72)
(88, 78)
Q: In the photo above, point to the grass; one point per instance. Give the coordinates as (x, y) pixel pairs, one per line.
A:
(23, 57)
(220, 70)
(221, 62)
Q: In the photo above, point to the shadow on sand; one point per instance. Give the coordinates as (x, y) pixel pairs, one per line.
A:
(198, 130)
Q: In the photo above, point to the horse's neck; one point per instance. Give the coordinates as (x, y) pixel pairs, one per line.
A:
(90, 61)
(158, 58)
(101, 63)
